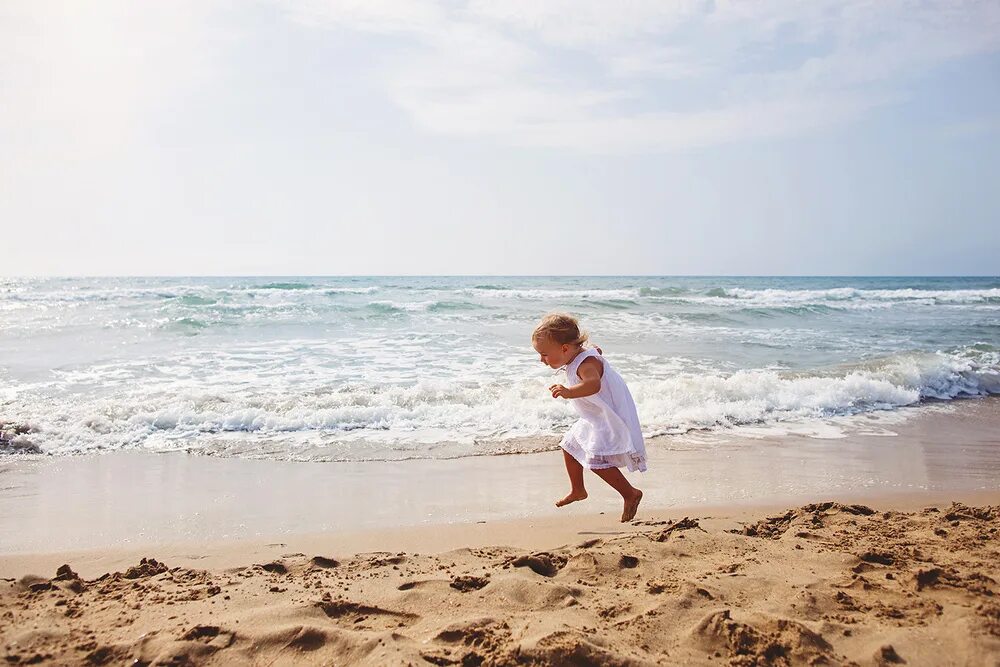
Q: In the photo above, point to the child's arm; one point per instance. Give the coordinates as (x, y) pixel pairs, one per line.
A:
(590, 372)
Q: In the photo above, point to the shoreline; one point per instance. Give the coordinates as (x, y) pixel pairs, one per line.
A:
(136, 499)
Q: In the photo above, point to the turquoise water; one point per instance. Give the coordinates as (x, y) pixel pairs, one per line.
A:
(392, 367)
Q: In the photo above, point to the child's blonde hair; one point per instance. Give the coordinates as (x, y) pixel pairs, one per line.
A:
(561, 328)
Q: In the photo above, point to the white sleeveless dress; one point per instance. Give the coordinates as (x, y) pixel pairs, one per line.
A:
(607, 435)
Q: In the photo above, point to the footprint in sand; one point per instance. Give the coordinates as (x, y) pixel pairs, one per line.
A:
(364, 617)
(469, 583)
(277, 567)
(545, 564)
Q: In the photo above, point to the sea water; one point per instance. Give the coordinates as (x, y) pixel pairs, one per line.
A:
(360, 368)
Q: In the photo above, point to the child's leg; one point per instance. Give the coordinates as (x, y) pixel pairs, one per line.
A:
(630, 494)
(575, 471)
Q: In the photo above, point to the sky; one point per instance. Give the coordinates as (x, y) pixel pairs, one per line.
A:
(388, 137)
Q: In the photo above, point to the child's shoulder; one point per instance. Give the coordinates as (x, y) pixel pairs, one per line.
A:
(593, 361)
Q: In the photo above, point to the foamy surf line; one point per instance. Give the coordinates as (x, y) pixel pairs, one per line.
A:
(443, 419)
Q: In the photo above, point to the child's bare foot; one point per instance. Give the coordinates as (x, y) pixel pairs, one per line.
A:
(572, 498)
(631, 505)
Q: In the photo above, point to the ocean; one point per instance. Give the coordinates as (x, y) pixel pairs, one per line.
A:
(386, 368)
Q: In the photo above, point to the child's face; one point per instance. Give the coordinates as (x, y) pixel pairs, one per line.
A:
(553, 354)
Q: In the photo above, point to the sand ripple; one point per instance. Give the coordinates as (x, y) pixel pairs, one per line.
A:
(825, 583)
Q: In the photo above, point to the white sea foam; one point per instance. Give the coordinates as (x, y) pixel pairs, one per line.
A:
(846, 297)
(475, 411)
(555, 294)
(749, 397)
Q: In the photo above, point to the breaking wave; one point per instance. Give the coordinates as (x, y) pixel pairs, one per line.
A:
(484, 417)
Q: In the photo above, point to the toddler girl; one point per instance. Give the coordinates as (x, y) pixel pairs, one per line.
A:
(607, 435)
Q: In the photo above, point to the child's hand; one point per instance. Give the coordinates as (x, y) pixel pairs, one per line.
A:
(558, 391)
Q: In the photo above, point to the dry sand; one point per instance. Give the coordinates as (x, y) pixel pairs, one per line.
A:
(824, 583)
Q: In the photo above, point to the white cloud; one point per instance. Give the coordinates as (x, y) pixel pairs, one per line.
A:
(588, 23)
(81, 78)
(603, 76)
(377, 16)
(666, 131)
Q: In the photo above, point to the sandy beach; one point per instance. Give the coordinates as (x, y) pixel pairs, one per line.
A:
(823, 583)
(783, 558)
(483, 334)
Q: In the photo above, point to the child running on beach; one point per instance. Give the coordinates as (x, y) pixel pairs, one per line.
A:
(607, 435)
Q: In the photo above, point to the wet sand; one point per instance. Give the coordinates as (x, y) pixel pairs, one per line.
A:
(129, 499)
